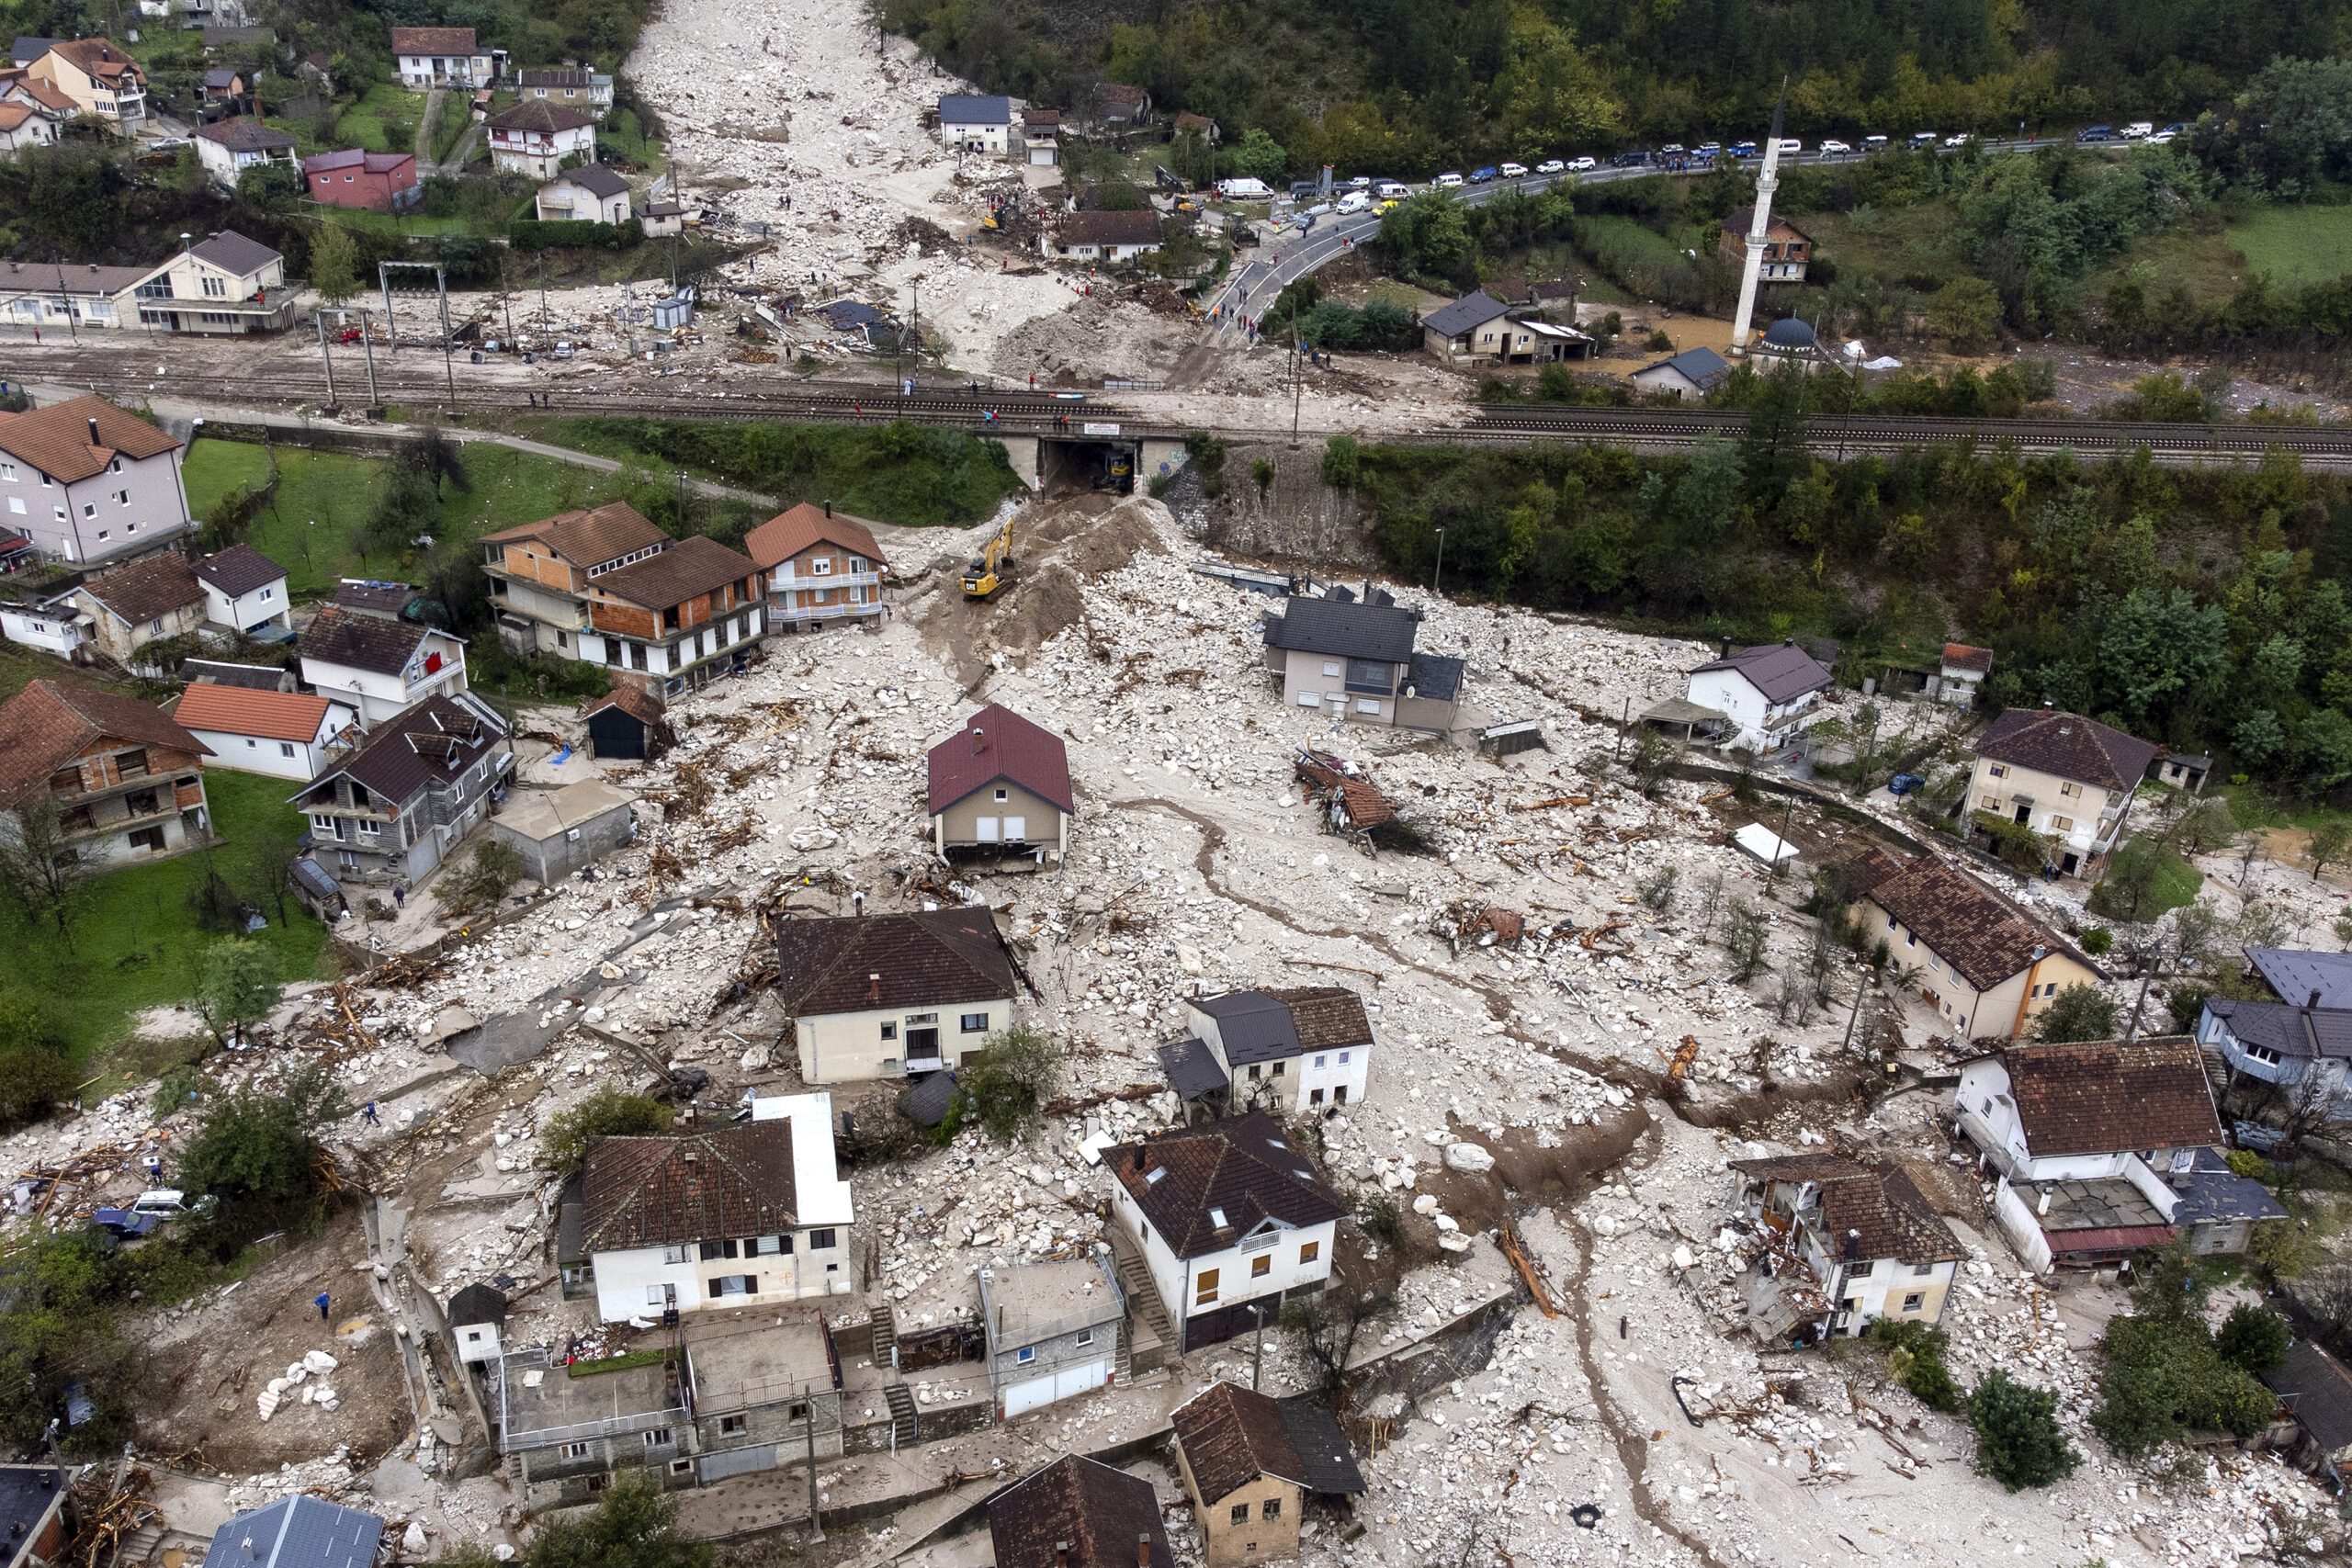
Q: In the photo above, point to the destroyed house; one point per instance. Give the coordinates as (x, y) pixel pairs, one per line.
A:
(2100, 1149)
(709, 1220)
(393, 808)
(1000, 785)
(673, 620)
(1984, 965)
(126, 781)
(1050, 1330)
(1842, 1244)
(1079, 1513)
(378, 666)
(2068, 778)
(540, 571)
(2315, 1390)
(1293, 1052)
(891, 996)
(1229, 1220)
(1252, 1463)
(1354, 658)
(37, 1513)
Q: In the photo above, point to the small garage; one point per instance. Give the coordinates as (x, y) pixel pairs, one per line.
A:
(559, 832)
(1022, 1397)
(626, 725)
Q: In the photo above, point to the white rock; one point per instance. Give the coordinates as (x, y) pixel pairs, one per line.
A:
(1470, 1157)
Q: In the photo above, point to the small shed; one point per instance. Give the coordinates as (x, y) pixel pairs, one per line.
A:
(475, 1315)
(560, 832)
(625, 725)
(675, 311)
(1761, 843)
(1505, 739)
(320, 894)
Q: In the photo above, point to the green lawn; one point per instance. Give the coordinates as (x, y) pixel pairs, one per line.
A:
(2297, 245)
(2204, 262)
(134, 943)
(368, 222)
(383, 119)
(1914, 243)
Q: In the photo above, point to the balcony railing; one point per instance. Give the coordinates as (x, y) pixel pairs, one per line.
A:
(833, 580)
(823, 612)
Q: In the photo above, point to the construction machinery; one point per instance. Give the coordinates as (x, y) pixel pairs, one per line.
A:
(992, 568)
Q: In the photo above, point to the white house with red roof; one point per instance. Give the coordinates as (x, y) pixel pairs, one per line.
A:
(287, 735)
(1000, 785)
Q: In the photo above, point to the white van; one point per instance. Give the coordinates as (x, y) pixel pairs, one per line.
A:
(2138, 129)
(1355, 201)
(1245, 189)
(1389, 190)
(1448, 181)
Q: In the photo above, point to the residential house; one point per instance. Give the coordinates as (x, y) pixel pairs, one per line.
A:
(1480, 328)
(1985, 966)
(1117, 107)
(1200, 125)
(372, 182)
(88, 482)
(663, 219)
(147, 601)
(564, 1437)
(66, 298)
(538, 138)
(888, 995)
(1354, 658)
(1787, 248)
(245, 595)
(2301, 1048)
(627, 724)
(393, 808)
(1960, 676)
(1844, 1245)
(719, 1217)
(287, 735)
(442, 57)
(2068, 778)
(103, 82)
(2181, 769)
(227, 148)
(227, 283)
(55, 623)
(374, 596)
(764, 1390)
(296, 1531)
(1300, 1050)
(38, 1516)
(125, 781)
(1691, 375)
(2101, 1149)
(1079, 1513)
(1229, 1219)
(574, 86)
(475, 1316)
(540, 571)
(1000, 785)
(975, 122)
(27, 48)
(2315, 1392)
(1096, 236)
(222, 85)
(1769, 694)
(1250, 1463)
(381, 668)
(1041, 137)
(823, 566)
(24, 123)
(676, 618)
(1051, 1330)
(589, 193)
(556, 832)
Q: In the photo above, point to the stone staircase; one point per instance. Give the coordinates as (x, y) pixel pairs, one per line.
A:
(139, 1546)
(906, 1426)
(1144, 1306)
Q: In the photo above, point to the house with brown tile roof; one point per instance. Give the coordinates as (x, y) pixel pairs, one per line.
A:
(1299, 1051)
(1079, 1513)
(1000, 787)
(88, 482)
(537, 138)
(1769, 693)
(1959, 675)
(1984, 965)
(676, 618)
(287, 735)
(381, 667)
(1229, 1217)
(227, 148)
(147, 601)
(26, 122)
(1251, 1464)
(1100, 236)
(2068, 778)
(245, 595)
(104, 83)
(824, 568)
(1854, 1241)
(540, 571)
(443, 57)
(893, 996)
(392, 809)
(125, 782)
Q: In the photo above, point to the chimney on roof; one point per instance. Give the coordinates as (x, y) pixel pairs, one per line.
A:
(874, 987)
(94, 430)
(980, 740)
(1143, 1549)
(1853, 1246)
(1061, 1554)
(2039, 953)
(2312, 1005)
(829, 509)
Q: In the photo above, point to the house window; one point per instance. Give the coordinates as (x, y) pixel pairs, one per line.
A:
(729, 1425)
(286, 748)
(1256, 1072)
(1280, 1067)
(1272, 1509)
(657, 1295)
(734, 1285)
(576, 1451)
(1026, 1354)
(1083, 1337)
(823, 1240)
(673, 1255)
(680, 1466)
(1319, 1061)
(1261, 1266)
(822, 566)
(1366, 704)
(1996, 769)
(1922, 1268)
(2069, 788)
(974, 1023)
(1204, 1287)
(1330, 667)
(123, 498)
(1309, 1251)
(1988, 801)
(2061, 824)
(1343, 1057)
(368, 829)
(1241, 1512)
(1001, 796)
(1911, 1302)
(657, 1438)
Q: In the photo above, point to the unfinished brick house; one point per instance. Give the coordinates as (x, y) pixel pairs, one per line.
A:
(126, 781)
(1250, 1464)
(823, 567)
(540, 571)
(673, 621)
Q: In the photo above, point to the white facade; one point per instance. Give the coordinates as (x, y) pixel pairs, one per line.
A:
(734, 632)
(131, 505)
(421, 72)
(890, 1042)
(540, 153)
(226, 163)
(1310, 1082)
(763, 1270)
(1272, 1258)
(976, 138)
(298, 760)
(54, 627)
(2320, 1082)
(1759, 724)
(260, 612)
(437, 668)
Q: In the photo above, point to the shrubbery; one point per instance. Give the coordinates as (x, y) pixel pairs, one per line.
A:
(573, 233)
(2019, 1440)
(607, 1113)
(1915, 1354)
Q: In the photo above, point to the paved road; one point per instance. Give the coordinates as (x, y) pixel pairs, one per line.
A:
(1285, 257)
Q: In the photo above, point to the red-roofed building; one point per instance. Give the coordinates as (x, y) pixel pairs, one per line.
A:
(823, 566)
(287, 735)
(376, 182)
(998, 786)
(443, 57)
(126, 782)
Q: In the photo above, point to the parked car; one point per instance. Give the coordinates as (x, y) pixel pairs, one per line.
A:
(2096, 133)
(1585, 165)
(1482, 174)
(1709, 150)
(1671, 150)
(1963, 140)
(1389, 190)
(1742, 149)
(165, 1201)
(1834, 148)
(1873, 143)
(1550, 167)
(1360, 181)
(1632, 159)
(127, 1225)
(1448, 181)
(2138, 130)
(1388, 207)
(1514, 171)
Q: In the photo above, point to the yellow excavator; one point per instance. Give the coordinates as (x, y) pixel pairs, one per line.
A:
(992, 568)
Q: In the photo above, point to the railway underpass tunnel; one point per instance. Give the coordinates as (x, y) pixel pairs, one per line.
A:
(1066, 465)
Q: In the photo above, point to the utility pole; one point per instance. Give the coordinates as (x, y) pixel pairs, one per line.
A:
(320, 321)
(1438, 575)
(815, 1528)
(1623, 724)
(2154, 963)
(1861, 987)
(367, 348)
(1258, 1345)
(1772, 871)
(447, 369)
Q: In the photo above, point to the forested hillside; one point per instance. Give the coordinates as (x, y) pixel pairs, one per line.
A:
(1407, 86)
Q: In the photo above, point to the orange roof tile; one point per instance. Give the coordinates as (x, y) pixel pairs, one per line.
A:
(242, 710)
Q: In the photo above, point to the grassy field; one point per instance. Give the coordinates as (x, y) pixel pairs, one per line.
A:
(389, 223)
(383, 119)
(135, 944)
(315, 527)
(2203, 261)
(2296, 246)
(1914, 244)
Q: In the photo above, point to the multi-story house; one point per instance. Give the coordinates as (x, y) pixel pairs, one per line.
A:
(381, 667)
(1000, 785)
(536, 138)
(126, 782)
(393, 809)
(146, 601)
(245, 595)
(1843, 1244)
(539, 572)
(592, 193)
(1787, 248)
(286, 734)
(975, 122)
(1079, 1513)
(1251, 1464)
(88, 482)
(892, 995)
(823, 567)
(102, 81)
(1354, 658)
(675, 619)
(1229, 1219)
(2298, 1039)
(442, 57)
(574, 86)
(2068, 778)
(1767, 694)
(1986, 967)
(1293, 1052)
(1051, 1330)
(374, 182)
(715, 1218)
(227, 148)
(227, 283)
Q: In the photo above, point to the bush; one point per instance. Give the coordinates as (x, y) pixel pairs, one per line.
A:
(1342, 459)
(484, 881)
(1007, 1083)
(2097, 940)
(34, 1072)
(2252, 1338)
(258, 1153)
(1914, 1355)
(573, 233)
(2078, 1012)
(2163, 1378)
(2019, 1440)
(607, 1113)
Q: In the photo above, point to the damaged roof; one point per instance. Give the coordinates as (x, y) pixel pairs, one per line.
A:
(1233, 1436)
(1878, 1206)
(2107, 1097)
(1261, 1025)
(1782, 671)
(998, 744)
(857, 963)
(50, 723)
(2068, 746)
(1243, 1170)
(1191, 1070)
(660, 1191)
(431, 741)
(1963, 922)
(1079, 1513)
